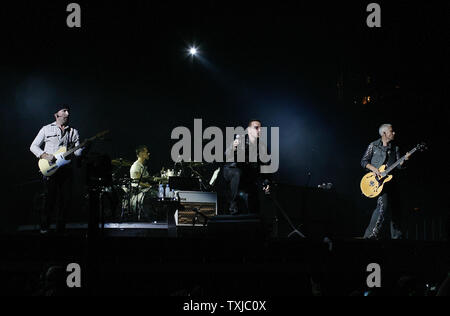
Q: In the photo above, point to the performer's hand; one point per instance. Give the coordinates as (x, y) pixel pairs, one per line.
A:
(50, 158)
(377, 173)
(267, 189)
(407, 156)
(236, 144)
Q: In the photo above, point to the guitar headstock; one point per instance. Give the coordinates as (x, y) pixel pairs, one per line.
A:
(421, 147)
(101, 134)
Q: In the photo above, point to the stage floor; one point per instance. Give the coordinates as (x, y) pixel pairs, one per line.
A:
(140, 258)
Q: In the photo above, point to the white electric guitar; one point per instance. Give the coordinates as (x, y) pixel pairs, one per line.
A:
(48, 168)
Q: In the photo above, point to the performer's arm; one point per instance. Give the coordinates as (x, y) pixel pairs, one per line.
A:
(367, 158)
(398, 156)
(76, 140)
(229, 152)
(135, 175)
(36, 145)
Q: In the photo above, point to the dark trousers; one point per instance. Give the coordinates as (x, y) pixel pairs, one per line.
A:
(243, 188)
(386, 213)
(58, 190)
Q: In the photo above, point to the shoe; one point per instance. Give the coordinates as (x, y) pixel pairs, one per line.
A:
(234, 212)
(43, 232)
(372, 237)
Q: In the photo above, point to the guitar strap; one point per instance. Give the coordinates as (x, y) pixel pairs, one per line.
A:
(70, 143)
(391, 157)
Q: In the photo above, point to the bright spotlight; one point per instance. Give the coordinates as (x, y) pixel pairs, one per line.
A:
(193, 51)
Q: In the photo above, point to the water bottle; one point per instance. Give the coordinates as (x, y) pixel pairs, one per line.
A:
(161, 192)
(167, 192)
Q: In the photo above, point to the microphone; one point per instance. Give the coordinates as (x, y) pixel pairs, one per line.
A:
(241, 135)
(238, 138)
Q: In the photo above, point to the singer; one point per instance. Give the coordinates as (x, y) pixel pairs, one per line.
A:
(244, 178)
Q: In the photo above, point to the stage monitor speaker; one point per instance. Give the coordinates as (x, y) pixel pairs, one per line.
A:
(197, 208)
(247, 226)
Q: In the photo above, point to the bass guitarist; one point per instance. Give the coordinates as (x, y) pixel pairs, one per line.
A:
(59, 186)
(378, 153)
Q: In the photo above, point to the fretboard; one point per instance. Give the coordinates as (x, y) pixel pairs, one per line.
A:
(398, 162)
(71, 151)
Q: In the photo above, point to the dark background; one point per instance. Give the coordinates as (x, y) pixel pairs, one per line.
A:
(300, 66)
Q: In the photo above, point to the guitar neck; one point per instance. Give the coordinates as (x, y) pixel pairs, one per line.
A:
(398, 162)
(71, 151)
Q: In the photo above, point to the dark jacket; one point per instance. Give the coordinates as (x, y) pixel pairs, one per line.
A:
(245, 145)
(253, 167)
(376, 154)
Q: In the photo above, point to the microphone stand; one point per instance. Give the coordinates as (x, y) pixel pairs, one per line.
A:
(202, 180)
(305, 196)
(197, 213)
(294, 231)
(142, 173)
(137, 190)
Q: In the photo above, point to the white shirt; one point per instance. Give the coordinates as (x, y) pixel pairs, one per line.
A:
(51, 136)
(136, 171)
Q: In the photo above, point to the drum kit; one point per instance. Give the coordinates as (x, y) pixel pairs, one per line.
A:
(137, 198)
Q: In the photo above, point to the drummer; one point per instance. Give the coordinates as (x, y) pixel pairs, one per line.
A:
(139, 171)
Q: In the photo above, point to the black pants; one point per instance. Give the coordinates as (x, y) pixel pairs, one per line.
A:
(243, 184)
(386, 213)
(58, 190)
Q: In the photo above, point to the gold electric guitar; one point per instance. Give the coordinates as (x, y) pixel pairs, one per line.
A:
(50, 168)
(372, 186)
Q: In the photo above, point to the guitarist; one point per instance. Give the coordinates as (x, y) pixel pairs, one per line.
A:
(378, 153)
(58, 187)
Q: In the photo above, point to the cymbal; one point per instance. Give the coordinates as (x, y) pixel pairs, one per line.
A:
(160, 179)
(151, 180)
(143, 179)
(192, 163)
(119, 162)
